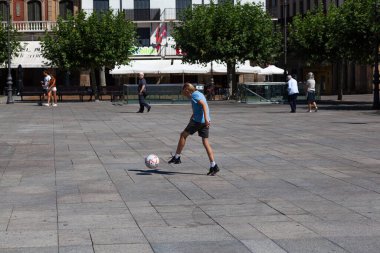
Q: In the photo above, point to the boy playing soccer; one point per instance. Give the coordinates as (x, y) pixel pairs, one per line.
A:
(199, 122)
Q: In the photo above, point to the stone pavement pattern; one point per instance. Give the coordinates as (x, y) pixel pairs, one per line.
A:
(72, 179)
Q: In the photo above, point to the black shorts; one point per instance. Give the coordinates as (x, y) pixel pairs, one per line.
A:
(194, 126)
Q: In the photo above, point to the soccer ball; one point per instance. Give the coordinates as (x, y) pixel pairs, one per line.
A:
(152, 161)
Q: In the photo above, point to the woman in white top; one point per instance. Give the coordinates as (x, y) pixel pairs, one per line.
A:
(310, 83)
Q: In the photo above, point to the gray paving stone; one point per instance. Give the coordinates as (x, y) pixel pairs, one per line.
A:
(76, 249)
(73, 178)
(370, 244)
(312, 245)
(263, 246)
(201, 247)
(74, 237)
(117, 236)
(28, 239)
(31, 250)
(122, 248)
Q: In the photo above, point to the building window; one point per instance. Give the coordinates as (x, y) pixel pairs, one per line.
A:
(226, 1)
(294, 8)
(34, 11)
(301, 7)
(143, 36)
(101, 5)
(316, 4)
(3, 11)
(180, 5)
(142, 10)
(307, 4)
(66, 7)
(142, 4)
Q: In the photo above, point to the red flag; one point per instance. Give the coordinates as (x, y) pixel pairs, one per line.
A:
(162, 34)
(158, 44)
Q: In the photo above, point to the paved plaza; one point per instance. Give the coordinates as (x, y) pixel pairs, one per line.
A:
(73, 179)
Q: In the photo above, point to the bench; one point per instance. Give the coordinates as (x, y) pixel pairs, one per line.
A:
(79, 91)
(31, 92)
(115, 92)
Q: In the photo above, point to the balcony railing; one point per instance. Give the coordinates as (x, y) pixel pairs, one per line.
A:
(171, 14)
(142, 14)
(31, 26)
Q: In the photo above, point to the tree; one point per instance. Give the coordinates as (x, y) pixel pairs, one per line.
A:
(347, 33)
(227, 33)
(359, 35)
(81, 42)
(312, 38)
(15, 45)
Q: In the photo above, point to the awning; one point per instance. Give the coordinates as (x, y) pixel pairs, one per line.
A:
(178, 67)
(272, 70)
(146, 66)
(30, 56)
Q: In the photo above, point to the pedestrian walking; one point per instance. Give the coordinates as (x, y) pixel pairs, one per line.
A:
(52, 92)
(292, 93)
(199, 122)
(310, 84)
(45, 85)
(142, 93)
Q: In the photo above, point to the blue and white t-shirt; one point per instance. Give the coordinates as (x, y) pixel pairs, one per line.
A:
(198, 115)
(46, 82)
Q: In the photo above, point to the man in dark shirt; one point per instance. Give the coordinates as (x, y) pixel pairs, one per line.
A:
(141, 92)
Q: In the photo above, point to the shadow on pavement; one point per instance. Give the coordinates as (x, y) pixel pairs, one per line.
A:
(161, 172)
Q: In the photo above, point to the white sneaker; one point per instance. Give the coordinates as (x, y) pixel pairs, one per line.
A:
(46, 104)
(54, 105)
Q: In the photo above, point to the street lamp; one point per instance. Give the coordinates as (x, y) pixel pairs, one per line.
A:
(285, 36)
(376, 81)
(9, 79)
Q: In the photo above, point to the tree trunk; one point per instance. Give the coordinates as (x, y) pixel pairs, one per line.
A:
(341, 80)
(67, 78)
(234, 82)
(102, 76)
(231, 79)
(94, 84)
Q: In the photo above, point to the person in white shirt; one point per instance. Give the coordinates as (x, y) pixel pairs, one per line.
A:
(292, 93)
(310, 84)
(45, 84)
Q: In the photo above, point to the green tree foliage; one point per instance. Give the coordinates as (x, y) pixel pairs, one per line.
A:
(312, 37)
(348, 33)
(15, 45)
(81, 42)
(227, 33)
(356, 34)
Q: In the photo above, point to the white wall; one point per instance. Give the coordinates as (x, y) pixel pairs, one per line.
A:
(159, 4)
(114, 4)
(87, 4)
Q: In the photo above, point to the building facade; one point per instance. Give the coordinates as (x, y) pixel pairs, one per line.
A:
(153, 19)
(356, 78)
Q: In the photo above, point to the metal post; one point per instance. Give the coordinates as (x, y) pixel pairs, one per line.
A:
(9, 79)
(376, 81)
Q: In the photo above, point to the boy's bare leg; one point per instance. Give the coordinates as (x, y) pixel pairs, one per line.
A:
(181, 142)
(208, 148)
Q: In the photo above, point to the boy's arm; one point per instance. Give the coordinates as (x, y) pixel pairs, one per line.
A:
(205, 112)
